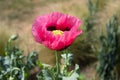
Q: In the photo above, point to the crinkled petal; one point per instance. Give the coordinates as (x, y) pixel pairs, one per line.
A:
(53, 18)
(71, 36)
(68, 24)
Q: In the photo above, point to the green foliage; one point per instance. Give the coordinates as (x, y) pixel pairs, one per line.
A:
(12, 65)
(31, 60)
(15, 66)
(50, 73)
(92, 7)
(90, 19)
(109, 55)
(90, 22)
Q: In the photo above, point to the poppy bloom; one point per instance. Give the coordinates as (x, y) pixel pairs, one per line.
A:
(56, 31)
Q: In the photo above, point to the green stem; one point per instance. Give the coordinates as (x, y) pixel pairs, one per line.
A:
(66, 63)
(66, 57)
(57, 65)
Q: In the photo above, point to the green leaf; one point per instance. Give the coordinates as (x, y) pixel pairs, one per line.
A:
(68, 57)
(11, 78)
(74, 75)
(31, 60)
(46, 74)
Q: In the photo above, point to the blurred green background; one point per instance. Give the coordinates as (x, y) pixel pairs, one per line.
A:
(17, 16)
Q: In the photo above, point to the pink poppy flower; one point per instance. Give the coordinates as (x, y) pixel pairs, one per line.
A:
(56, 31)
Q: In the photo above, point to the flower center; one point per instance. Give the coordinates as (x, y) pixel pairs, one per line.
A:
(57, 32)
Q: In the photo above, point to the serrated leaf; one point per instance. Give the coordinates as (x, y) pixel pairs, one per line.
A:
(74, 76)
(45, 75)
(11, 78)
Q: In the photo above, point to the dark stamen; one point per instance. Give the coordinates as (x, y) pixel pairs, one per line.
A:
(67, 29)
(51, 28)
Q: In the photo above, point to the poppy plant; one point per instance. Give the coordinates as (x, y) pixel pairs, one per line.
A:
(56, 31)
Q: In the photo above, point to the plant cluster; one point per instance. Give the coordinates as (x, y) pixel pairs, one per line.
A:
(15, 66)
(50, 73)
(109, 53)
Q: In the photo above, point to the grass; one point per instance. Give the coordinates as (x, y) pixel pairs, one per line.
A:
(4, 37)
(101, 4)
(15, 9)
(5, 34)
(3, 40)
(21, 9)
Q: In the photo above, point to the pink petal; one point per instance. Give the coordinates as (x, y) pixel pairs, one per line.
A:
(53, 18)
(67, 22)
(60, 22)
